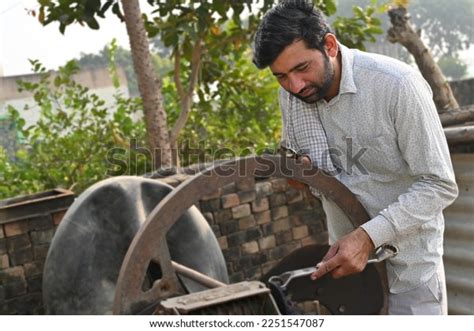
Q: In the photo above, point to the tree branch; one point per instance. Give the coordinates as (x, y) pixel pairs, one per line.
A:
(186, 102)
(457, 116)
(402, 32)
(460, 135)
(177, 74)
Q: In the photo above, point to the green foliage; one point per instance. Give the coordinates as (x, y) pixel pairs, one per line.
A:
(114, 54)
(71, 144)
(66, 12)
(220, 25)
(452, 67)
(354, 32)
(239, 113)
(235, 105)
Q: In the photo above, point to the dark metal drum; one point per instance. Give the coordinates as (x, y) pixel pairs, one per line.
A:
(84, 260)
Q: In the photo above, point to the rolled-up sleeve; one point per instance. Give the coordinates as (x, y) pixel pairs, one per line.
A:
(423, 146)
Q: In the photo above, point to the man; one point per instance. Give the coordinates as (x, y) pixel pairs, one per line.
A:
(349, 102)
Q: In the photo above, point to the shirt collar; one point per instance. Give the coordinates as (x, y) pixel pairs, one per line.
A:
(347, 75)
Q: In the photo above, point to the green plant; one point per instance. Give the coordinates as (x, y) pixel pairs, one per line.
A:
(70, 145)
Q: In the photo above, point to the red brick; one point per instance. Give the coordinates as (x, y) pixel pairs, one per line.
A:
(42, 236)
(300, 232)
(281, 225)
(230, 200)
(11, 275)
(16, 228)
(18, 242)
(232, 254)
(280, 184)
(277, 199)
(295, 220)
(247, 196)
(58, 217)
(263, 189)
(263, 218)
(284, 237)
(42, 222)
(260, 205)
(279, 212)
(267, 242)
(222, 242)
(21, 256)
(33, 268)
(241, 211)
(236, 238)
(210, 205)
(247, 222)
(41, 251)
(4, 263)
(229, 188)
(2, 234)
(250, 247)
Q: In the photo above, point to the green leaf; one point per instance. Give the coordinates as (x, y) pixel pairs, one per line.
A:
(330, 7)
(358, 12)
(92, 22)
(374, 30)
(116, 10)
(104, 8)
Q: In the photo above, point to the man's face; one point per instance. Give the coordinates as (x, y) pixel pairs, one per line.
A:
(306, 73)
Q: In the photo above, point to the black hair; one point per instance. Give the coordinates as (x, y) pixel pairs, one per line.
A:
(289, 21)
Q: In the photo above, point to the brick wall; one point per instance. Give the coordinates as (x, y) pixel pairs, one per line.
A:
(23, 248)
(26, 231)
(259, 222)
(255, 222)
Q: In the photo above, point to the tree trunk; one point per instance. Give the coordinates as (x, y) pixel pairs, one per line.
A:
(403, 33)
(148, 85)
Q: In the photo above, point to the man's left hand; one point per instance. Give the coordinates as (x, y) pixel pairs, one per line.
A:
(347, 256)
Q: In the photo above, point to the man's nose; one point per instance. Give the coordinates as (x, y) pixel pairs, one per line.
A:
(296, 85)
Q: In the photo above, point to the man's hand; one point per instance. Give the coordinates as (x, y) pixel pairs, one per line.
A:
(347, 256)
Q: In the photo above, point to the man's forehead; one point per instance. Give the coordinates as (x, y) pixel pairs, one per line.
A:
(293, 55)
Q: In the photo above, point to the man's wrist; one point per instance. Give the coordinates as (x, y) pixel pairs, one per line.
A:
(380, 230)
(367, 238)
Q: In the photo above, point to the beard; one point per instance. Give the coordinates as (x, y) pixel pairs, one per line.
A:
(320, 90)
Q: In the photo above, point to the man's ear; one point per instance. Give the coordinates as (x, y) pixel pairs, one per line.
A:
(330, 44)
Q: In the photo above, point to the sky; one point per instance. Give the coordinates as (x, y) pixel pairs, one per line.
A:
(22, 37)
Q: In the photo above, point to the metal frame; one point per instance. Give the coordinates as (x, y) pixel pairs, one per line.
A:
(149, 244)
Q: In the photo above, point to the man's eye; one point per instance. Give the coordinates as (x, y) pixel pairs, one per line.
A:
(303, 68)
